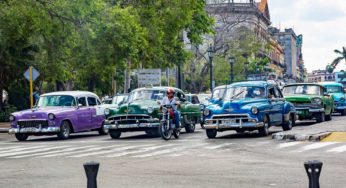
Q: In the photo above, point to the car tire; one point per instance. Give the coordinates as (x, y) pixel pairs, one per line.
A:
(115, 134)
(328, 117)
(343, 113)
(320, 117)
(211, 133)
(102, 130)
(264, 131)
(21, 136)
(289, 124)
(190, 128)
(65, 130)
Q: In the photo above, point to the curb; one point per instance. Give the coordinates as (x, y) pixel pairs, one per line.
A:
(4, 130)
(300, 137)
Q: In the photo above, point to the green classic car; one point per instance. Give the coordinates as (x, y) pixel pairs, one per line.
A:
(142, 112)
(311, 101)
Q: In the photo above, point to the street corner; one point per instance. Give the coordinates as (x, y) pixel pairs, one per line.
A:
(300, 137)
(335, 137)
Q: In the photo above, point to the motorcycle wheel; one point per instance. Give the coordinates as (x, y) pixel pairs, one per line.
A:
(176, 133)
(165, 131)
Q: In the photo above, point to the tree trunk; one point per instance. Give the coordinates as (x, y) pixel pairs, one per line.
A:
(60, 86)
(91, 83)
(1, 99)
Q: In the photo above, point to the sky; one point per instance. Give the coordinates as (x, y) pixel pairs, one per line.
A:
(322, 23)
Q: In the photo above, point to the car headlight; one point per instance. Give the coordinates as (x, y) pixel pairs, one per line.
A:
(164, 110)
(12, 118)
(51, 116)
(254, 110)
(206, 112)
(342, 99)
(150, 110)
(107, 111)
(201, 106)
(316, 101)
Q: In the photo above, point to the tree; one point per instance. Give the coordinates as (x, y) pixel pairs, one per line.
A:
(342, 56)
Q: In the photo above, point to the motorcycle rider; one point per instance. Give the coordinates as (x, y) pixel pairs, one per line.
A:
(170, 100)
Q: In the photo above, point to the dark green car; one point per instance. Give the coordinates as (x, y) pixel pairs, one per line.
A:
(310, 100)
(142, 112)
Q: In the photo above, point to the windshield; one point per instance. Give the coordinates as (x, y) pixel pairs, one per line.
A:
(218, 93)
(203, 98)
(302, 90)
(107, 101)
(56, 100)
(334, 89)
(119, 100)
(146, 95)
(242, 92)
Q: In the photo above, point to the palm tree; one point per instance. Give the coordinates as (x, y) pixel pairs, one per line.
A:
(331, 67)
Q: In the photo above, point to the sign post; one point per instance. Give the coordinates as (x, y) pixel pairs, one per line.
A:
(31, 74)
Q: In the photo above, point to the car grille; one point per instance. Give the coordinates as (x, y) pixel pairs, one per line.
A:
(33, 124)
(130, 119)
(243, 117)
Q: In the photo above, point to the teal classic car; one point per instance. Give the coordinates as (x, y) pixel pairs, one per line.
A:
(110, 105)
(337, 91)
(248, 106)
(311, 101)
(142, 112)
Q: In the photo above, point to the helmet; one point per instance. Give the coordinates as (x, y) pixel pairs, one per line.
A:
(170, 90)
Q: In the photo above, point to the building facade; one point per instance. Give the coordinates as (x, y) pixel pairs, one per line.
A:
(321, 76)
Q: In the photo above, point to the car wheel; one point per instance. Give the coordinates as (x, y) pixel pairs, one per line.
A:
(65, 130)
(328, 117)
(320, 117)
(102, 130)
(190, 128)
(21, 136)
(115, 134)
(289, 124)
(211, 133)
(343, 113)
(264, 131)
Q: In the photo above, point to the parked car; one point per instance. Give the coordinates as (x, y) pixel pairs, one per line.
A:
(337, 91)
(249, 106)
(60, 113)
(142, 112)
(195, 99)
(311, 101)
(115, 102)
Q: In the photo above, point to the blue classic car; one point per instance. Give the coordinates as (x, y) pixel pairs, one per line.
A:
(60, 113)
(337, 91)
(249, 106)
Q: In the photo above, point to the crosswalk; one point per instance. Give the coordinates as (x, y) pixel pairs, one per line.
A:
(169, 149)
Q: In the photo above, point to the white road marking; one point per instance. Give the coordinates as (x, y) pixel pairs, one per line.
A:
(52, 152)
(338, 149)
(165, 151)
(315, 146)
(31, 151)
(218, 146)
(22, 148)
(74, 152)
(139, 151)
(104, 152)
(288, 144)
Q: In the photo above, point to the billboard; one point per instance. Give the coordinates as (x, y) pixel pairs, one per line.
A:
(149, 77)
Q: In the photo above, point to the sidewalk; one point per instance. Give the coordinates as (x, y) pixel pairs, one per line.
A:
(4, 126)
(314, 132)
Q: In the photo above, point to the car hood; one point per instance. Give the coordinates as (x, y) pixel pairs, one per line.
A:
(138, 107)
(337, 96)
(39, 113)
(236, 106)
(301, 98)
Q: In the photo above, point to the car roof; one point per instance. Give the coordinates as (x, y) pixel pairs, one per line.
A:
(161, 88)
(72, 93)
(254, 83)
(331, 84)
(296, 84)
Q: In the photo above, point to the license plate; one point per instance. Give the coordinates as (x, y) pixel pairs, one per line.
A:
(230, 122)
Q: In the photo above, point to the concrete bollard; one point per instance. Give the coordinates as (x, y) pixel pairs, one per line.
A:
(313, 169)
(91, 169)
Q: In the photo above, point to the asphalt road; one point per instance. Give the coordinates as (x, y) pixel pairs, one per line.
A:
(138, 160)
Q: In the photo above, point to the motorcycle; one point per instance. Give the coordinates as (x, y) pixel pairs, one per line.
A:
(167, 124)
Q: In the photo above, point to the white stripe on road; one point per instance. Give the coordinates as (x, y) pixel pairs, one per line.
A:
(218, 146)
(21, 148)
(138, 151)
(31, 151)
(315, 146)
(51, 152)
(104, 152)
(161, 152)
(74, 152)
(288, 144)
(7, 148)
(338, 149)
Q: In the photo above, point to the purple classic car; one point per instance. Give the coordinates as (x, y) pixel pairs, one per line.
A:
(60, 113)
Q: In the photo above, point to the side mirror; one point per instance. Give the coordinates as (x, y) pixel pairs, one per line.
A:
(80, 105)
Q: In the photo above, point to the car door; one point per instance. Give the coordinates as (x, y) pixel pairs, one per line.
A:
(280, 105)
(275, 107)
(83, 114)
(95, 110)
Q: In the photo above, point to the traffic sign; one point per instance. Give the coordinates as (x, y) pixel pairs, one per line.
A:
(35, 74)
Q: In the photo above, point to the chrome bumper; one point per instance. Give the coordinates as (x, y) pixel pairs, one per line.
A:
(132, 126)
(340, 108)
(34, 130)
(311, 110)
(231, 123)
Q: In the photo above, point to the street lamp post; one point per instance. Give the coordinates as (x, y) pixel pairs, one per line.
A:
(211, 55)
(231, 62)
